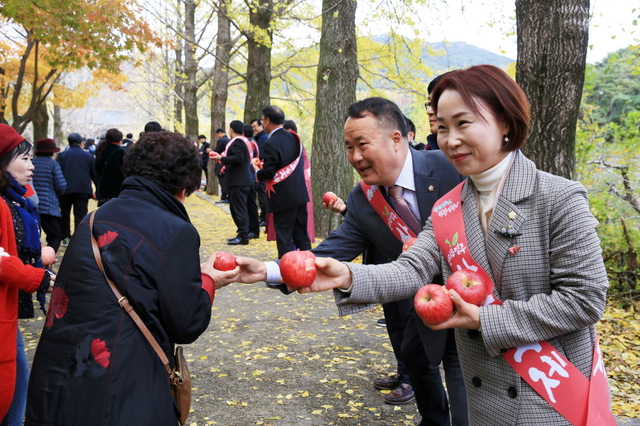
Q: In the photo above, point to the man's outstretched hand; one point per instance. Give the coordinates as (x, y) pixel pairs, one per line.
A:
(251, 270)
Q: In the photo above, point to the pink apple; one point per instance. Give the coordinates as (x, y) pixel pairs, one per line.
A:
(48, 256)
(408, 244)
(298, 268)
(224, 261)
(329, 197)
(470, 285)
(433, 304)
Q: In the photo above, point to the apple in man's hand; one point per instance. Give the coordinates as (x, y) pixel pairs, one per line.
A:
(470, 285)
(48, 256)
(433, 304)
(407, 244)
(225, 261)
(256, 162)
(329, 197)
(298, 268)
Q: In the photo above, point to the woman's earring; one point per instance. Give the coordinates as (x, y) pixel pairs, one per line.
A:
(506, 139)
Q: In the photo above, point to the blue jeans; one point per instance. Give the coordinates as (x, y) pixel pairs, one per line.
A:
(15, 415)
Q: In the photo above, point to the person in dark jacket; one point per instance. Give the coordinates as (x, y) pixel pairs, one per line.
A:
(49, 183)
(109, 157)
(93, 365)
(221, 146)
(79, 170)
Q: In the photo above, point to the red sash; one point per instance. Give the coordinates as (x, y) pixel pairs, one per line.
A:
(390, 218)
(284, 172)
(581, 401)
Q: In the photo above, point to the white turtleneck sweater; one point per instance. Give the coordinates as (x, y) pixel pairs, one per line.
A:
(489, 184)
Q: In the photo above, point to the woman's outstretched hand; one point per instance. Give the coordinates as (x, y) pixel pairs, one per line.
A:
(465, 315)
(331, 274)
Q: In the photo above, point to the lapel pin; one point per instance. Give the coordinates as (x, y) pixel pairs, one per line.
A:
(514, 250)
(507, 231)
(512, 215)
(431, 188)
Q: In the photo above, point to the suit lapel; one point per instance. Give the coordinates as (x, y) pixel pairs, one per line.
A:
(424, 181)
(509, 212)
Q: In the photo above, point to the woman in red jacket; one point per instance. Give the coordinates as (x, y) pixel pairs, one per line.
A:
(20, 268)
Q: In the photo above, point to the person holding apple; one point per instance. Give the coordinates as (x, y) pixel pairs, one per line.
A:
(93, 365)
(529, 354)
(377, 147)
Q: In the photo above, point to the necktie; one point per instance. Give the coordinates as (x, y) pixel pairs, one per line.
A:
(395, 192)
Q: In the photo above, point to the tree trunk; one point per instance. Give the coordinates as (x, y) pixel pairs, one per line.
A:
(40, 122)
(58, 136)
(552, 52)
(178, 71)
(259, 59)
(336, 90)
(220, 85)
(190, 70)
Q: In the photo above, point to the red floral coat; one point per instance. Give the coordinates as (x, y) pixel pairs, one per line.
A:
(14, 276)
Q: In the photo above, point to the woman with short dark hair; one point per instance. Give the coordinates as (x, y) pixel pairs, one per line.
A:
(93, 366)
(20, 269)
(529, 354)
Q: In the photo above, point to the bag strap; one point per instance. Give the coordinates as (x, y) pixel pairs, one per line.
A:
(124, 303)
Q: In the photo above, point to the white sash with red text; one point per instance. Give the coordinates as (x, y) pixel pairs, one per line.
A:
(390, 218)
(581, 401)
(284, 172)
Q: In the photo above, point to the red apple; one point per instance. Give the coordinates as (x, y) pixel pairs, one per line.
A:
(329, 197)
(48, 256)
(408, 244)
(298, 268)
(433, 304)
(224, 261)
(469, 285)
(256, 162)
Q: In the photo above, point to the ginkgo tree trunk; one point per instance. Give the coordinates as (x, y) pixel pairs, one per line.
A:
(552, 52)
(336, 89)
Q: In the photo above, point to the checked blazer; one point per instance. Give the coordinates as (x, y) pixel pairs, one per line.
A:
(554, 289)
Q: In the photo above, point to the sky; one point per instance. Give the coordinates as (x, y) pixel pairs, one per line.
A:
(610, 26)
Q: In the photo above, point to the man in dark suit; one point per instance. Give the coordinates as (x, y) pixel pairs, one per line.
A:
(221, 144)
(79, 170)
(283, 173)
(377, 146)
(239, 176)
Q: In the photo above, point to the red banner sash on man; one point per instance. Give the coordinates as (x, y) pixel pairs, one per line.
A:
(390, 218)
(581, 401)
(284, 172)
(226, 148)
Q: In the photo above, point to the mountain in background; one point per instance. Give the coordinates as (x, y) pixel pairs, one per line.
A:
(454, 55)
(459, 54)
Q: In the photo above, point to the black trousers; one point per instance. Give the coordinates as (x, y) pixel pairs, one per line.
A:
(431, 397)
(52, 228)
(238, 198)
(80, 204)
(395, 314)
(224, 189)
(252, 211)
(261, 190)
(291, 227)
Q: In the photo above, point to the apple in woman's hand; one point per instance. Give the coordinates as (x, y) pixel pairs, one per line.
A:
(48, 256)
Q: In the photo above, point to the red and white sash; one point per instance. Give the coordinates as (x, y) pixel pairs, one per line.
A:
(581, 401)
(247, 142)
(286, 171)
(388, 215)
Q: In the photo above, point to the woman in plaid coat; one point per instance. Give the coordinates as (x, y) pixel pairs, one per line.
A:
(532, 233)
